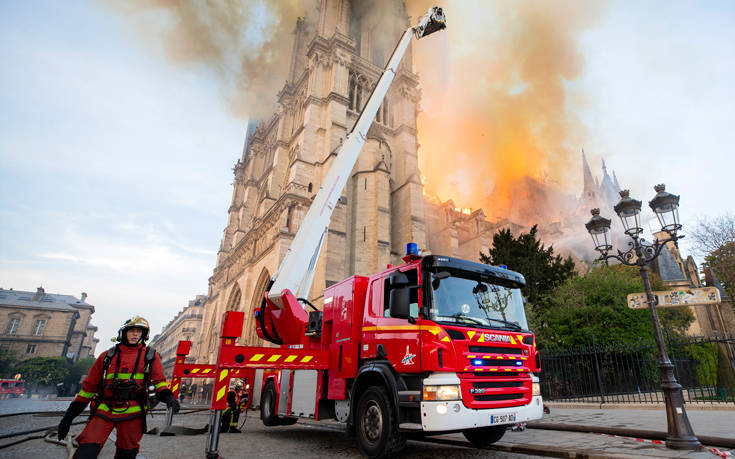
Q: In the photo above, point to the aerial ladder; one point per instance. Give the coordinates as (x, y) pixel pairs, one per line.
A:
(283, 303)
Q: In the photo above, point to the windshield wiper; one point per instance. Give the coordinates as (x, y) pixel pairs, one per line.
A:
(513, 325)
(459, 316)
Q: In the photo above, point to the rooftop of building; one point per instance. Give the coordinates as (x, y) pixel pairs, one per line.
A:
(41, 299)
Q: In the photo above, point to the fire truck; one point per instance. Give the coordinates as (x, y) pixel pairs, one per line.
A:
(434, 345)
(12, 387)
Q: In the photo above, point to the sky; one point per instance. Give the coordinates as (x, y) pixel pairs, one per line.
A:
(116, 165)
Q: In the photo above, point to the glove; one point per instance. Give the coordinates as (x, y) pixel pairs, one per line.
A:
(74, 410)
(167, 397)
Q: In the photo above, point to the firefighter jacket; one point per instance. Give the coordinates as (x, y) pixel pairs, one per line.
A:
(233, 400)
(119, 392)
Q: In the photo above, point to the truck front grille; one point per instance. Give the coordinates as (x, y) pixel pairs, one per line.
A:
(498, 397)
(495, 384)
(495, 350)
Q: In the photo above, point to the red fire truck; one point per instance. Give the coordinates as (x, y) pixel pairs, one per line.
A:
(12, 387)
(434, 345)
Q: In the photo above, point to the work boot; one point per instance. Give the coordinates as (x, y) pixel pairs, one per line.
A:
(235, 430)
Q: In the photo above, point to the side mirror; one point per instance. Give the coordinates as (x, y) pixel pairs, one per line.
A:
(399, 300)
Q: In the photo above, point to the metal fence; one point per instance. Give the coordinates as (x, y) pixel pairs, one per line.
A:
(628, 372)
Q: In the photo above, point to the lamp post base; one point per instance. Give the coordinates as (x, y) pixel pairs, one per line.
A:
(680, 432)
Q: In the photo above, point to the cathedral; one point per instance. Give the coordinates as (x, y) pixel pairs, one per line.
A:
(338, 56)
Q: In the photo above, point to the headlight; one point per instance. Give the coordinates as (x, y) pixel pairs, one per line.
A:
(536, 389)
(442, 392)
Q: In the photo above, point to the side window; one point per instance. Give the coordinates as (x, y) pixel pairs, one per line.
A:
(413, 280)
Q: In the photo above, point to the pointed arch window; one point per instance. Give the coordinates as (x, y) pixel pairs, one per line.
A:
(233, 304)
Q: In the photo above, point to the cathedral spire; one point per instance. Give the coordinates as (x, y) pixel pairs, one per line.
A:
(589, 190)
(615, 181)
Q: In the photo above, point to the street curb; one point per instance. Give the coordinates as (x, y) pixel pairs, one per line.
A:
(625, 432)
(524, 448)
(632, 406)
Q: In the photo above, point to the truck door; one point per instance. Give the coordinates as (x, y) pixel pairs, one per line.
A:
(396, 339)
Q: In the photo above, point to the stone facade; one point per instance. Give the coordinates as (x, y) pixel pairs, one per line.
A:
(187, 325)
(40, 324)
(678, 272)
(337, 60)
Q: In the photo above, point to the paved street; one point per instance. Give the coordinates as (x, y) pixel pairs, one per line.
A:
(308, 439)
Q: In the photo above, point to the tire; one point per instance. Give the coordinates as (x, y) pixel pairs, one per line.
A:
(268, 405)
(484, 436)
(376, 424)
(287, 421)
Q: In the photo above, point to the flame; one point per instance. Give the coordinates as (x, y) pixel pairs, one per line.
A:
(497, 117)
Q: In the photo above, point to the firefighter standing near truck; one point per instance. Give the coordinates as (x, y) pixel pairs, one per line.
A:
(231, 414)
(122, 384)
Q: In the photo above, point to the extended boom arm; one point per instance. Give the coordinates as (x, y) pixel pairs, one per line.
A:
(296, 271)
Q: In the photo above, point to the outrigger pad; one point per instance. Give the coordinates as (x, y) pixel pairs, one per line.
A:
(170, 431)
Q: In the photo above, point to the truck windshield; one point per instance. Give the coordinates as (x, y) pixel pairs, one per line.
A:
(461, 297)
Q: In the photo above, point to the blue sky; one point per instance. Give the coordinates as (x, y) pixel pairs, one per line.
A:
(115, 166)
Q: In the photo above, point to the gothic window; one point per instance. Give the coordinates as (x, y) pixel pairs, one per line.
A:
(353, 88)
(234, 303)
(356, 30)
(31, 349)
(311, 186)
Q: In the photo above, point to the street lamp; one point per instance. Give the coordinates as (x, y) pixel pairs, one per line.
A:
(666, 207)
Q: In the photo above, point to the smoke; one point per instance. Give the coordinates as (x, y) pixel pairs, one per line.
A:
(246, 43)
(498, 127)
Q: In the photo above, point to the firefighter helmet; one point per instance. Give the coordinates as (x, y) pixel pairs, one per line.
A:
(134, 322)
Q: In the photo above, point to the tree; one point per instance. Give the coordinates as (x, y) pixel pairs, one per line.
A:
(722, 263)
(526, 254)
(43, 370)
(7, 361)
(78, 369)
(597, 303)
(711, 234)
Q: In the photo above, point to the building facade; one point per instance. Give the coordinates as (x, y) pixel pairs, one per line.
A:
(187, 325)
(40, 324)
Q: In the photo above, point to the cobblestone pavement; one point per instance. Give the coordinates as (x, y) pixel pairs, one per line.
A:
(308, 439)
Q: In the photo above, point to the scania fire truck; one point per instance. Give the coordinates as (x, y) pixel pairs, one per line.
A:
(434, 345)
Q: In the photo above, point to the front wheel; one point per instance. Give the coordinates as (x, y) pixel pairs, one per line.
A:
(484, 436)
(268, 405)
(376, 424)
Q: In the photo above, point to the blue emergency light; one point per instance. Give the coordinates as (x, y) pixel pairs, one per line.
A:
(503, 266)
(412, 248)
(477, 363)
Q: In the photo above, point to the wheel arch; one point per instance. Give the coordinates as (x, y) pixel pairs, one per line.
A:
(375, 374)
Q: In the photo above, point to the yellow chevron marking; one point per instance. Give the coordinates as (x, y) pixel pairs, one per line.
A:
(508, 369)
(256, 357)
(470, 356)
(512, 341)
(221, 393)
(481, 339)
(445, 339)
(520, 338)
(470, 334)
(479, 369)
(274, 357)
(175, 388)
(206, 370)
(195, 370)
(500, 357)
(291, 358)
(524, 358)
(222, 374)
(493, 369)
(307, 358)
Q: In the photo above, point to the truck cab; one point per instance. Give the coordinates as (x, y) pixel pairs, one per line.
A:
(447, 341)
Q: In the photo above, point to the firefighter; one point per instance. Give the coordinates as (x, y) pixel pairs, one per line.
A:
(120, 385)
(231, 414)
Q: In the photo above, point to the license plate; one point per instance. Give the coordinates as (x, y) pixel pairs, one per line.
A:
(502, 418)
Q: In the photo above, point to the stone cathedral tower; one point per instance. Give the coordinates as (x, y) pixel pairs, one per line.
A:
(337, 59)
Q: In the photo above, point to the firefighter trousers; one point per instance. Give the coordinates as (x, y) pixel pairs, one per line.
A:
(229, 419)
(94, 436)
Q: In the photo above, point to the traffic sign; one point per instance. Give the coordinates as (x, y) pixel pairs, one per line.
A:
(677, 297)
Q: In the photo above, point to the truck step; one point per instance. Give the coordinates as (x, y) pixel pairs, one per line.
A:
(410, 426)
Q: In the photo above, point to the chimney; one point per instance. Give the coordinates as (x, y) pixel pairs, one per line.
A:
(84, 296)
(39, 293)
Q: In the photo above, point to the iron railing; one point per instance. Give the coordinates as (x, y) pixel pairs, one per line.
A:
(628, 373)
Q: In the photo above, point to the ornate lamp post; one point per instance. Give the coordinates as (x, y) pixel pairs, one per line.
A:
(666, 207)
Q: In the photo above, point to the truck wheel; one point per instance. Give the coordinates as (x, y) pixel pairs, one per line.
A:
(484, 436)
(376, 424)
(268, 405)
(287, 421)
